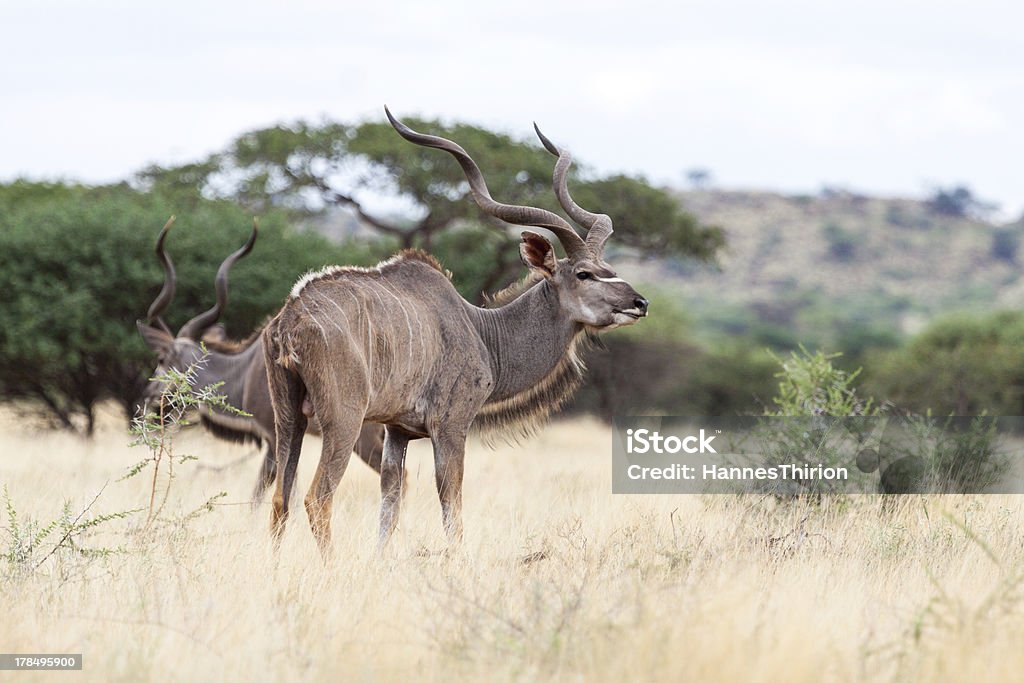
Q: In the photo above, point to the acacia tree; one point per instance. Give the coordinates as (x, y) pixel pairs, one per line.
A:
(308, 168)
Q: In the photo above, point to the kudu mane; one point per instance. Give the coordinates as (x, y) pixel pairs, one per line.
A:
(230, 434)
(512, 292)
(328, 273)
(233, 347)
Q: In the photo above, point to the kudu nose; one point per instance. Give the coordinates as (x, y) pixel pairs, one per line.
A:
(641, 304)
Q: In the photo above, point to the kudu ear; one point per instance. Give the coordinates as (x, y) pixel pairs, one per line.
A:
(538, 254)
(155, 338)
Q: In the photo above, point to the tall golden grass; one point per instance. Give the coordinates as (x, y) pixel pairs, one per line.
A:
(557, 579)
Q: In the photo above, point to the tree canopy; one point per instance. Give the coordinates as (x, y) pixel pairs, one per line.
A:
(306, 168)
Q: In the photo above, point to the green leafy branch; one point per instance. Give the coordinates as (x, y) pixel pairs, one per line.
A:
(30, 544)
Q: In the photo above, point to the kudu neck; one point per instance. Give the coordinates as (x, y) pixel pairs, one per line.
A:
(229, 368)
(526, 338)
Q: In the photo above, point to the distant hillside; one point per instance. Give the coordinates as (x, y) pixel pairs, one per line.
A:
(841, 269)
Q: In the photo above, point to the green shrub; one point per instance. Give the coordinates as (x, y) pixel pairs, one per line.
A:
(960, 365)
(809, 384)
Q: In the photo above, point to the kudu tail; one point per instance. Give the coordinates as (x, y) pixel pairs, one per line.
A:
(287, 393)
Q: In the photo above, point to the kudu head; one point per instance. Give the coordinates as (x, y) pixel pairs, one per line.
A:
(180, 351)
(589, 290)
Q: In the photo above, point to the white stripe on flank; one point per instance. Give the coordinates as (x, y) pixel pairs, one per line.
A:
(369, 349)
(316, 322)
(348, 326)
(408, 321)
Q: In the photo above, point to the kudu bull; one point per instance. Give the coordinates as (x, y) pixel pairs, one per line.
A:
(397, 344)
(238, 365)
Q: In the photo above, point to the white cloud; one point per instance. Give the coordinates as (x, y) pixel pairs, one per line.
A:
(877, 95)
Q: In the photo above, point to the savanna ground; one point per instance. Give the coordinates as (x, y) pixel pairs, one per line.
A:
(557, 579)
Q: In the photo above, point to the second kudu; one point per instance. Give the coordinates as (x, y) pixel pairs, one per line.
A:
(397, 344)
(238, 366)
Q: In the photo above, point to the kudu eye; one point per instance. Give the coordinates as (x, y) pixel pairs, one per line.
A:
(583, 275)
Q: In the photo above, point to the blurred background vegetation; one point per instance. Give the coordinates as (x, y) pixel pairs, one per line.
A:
(922, 294)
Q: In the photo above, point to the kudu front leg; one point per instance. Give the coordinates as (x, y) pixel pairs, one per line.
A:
(449, 454)
(392, 483)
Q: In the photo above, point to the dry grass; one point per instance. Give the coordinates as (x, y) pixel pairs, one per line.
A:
(615, 587)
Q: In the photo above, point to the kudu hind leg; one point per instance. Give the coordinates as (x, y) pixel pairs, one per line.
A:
(370, 445)
(340, 432)
(392, 482)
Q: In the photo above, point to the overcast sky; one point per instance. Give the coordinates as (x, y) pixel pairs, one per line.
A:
(884, 97)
